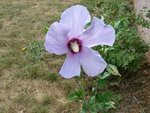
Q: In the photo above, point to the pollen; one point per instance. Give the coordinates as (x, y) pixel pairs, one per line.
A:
(74, 46)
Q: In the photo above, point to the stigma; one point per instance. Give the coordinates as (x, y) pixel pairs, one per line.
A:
(75, 45)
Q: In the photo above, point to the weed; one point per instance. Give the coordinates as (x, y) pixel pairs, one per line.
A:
(35, 51)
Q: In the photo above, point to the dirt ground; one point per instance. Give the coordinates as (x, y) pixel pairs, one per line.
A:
(135, 93)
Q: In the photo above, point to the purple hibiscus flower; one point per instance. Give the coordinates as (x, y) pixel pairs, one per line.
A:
(69, 37)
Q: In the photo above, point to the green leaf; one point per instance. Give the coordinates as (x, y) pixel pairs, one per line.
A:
(101, 106)
(116, 24)
(110, 105)
(117, 98)
(87, 25)
(76, 94)
(83, 111)
(92, 100)
(100, 98)
(46, 29)
(102, 83)
(108, 94)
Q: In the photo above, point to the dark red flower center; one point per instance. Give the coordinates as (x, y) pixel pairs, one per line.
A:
(75, 45)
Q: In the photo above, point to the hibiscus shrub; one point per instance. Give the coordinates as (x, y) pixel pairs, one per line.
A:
(128, 51)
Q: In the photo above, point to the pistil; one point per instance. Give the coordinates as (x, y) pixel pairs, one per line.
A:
(75, 45)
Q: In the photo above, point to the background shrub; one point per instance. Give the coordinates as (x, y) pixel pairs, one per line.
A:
(128, 51)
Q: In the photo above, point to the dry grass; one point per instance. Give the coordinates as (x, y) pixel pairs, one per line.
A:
(29, 81)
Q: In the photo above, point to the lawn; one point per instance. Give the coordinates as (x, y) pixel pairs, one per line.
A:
(29, 80)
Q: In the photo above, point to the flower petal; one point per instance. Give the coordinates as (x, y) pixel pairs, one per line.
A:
(71, 66)
(76, 17)
(98, 34)
(57, 39)
(91, 61)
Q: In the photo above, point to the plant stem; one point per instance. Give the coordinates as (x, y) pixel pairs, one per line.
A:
(84, 98)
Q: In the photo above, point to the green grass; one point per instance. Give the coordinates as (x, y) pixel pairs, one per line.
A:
(22, 37)
(36, 106)
(23, 27)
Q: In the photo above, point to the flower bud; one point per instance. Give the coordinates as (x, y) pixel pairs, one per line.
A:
(112, 69)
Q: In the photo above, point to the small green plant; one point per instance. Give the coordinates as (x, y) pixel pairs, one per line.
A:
(97, 98)
(35, 71)
(35, 51)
